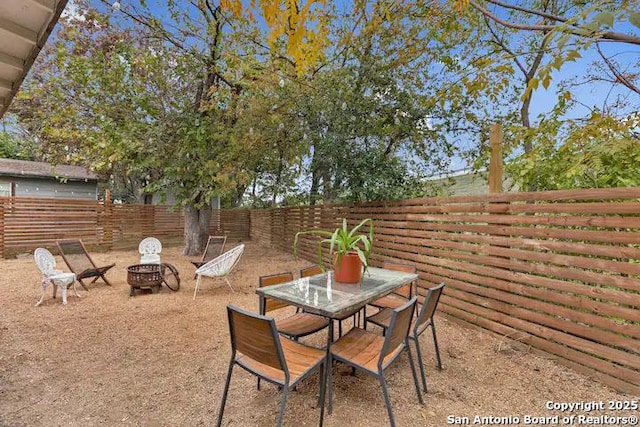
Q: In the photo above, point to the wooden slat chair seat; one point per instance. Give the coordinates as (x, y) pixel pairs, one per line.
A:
(400, 296)
(312, 271)
(301, 324)
(363, 348)
(372, 354)
(257, 347)
(419, 324)
(75, 255)
(300, 360)
(297, 325)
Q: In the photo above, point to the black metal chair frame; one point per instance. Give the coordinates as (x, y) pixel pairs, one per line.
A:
(421, 326)
(382, 366)
(286, 385)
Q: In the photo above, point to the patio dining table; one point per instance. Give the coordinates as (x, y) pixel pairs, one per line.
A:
(322, 295)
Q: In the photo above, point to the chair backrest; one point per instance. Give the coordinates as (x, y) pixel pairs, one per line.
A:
(310, 271)
(214, 248)
(398, 328)
(256, 337)
(222, 264)
(269, 304)
(150, 246)
(45, 261)
(429, 306)
(75, 255)
(407, 290)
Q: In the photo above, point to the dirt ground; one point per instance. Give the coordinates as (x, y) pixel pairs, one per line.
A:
(161, 359)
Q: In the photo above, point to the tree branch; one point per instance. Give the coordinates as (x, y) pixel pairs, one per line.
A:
(620, 78)
(570, 29)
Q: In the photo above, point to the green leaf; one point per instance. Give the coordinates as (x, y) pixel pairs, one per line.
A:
(563, 40)
(634, 18)
(605, 18)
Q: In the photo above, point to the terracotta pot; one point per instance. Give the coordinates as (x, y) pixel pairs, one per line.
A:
(350, 269)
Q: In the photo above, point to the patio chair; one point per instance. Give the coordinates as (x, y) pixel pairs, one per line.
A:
(214, 248)
(297, 325)
(220, 266)
(419, 325)
(401, 295)
(150, 249)
(372, 354)
(75, 255)
(312, 271)
(257, 347)
(47, 265)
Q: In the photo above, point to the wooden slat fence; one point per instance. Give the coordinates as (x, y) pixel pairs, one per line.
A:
(559, 271)
(27, 223)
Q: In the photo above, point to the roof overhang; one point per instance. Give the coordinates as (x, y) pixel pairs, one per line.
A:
(25, 26)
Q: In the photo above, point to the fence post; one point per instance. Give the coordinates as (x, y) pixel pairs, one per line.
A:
(108, 220)
(495, 164)
(2, 203)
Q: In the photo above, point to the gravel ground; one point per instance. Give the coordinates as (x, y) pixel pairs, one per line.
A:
(161, 359)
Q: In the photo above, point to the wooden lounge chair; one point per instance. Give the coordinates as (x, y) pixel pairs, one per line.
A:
(79, 262)
(214, 248)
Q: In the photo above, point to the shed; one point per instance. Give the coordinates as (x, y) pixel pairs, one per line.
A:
(23, 178)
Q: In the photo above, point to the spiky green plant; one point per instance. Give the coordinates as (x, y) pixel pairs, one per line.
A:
(342, 241)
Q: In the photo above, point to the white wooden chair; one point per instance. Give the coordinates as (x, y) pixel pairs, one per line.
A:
(47, 265)
(220, 266)
(150, 249)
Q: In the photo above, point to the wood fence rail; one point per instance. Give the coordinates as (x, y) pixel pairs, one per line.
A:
(27, 223)
(558, 270)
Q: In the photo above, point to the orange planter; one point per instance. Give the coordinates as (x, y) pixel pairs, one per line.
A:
(350, 269)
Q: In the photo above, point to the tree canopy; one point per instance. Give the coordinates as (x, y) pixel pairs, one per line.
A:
(273, 102)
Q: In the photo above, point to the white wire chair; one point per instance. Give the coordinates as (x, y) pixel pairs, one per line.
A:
(150, 249)
(220, 266)
(47, 265)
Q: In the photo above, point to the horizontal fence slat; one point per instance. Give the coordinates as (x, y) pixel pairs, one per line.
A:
(558, 270)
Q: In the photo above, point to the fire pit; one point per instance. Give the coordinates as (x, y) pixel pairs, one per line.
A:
(152, 276)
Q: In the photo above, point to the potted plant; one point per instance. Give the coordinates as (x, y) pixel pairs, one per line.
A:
(350, 250)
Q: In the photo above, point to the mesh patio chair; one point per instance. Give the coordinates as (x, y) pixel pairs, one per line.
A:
(401, 295)
(214, 248)
(75, 255)
(150, 249)
(257, 347)
(372, 354)
(220, 266)
(418, 326)
(47, 265)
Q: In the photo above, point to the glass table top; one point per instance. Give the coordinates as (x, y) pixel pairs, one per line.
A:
(321, 294)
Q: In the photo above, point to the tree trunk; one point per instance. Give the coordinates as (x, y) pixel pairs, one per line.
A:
(196, 229)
